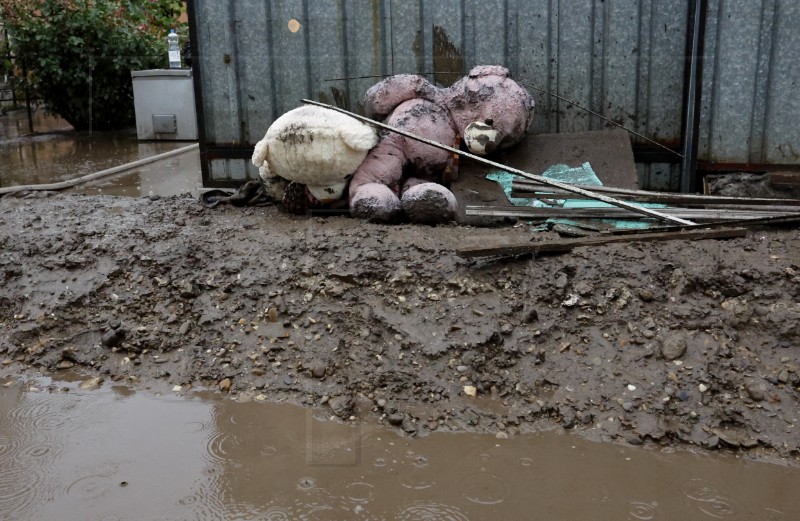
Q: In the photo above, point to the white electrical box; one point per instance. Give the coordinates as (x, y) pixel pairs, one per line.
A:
(164, 104)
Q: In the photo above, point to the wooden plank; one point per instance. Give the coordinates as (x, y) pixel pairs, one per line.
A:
(529, 212)
(564, 245)
(524, 188)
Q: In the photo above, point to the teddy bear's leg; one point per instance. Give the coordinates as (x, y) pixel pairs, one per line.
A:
(428, 203)
(372, 194)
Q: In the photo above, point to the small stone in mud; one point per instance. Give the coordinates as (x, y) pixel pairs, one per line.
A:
(91, 383)
(113, 337)
(783, 377)
(757, 393)
(646, 296)
(628, 406)
(185, 327)
(506, 328)
(674, 346)
(341, 406)
(408, 426)
(225, 385)
(395, 419)
(635, 440)
(65, 364)
(318, 370)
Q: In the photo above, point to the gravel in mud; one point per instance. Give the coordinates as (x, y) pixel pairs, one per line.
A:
(678, 343)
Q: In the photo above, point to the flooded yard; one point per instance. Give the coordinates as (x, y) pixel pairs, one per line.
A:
(116, 453)
(57, 153)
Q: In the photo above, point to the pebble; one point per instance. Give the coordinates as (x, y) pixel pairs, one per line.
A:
(635, 440)
(408, 426)
(628, 406)
(462, 368)
(673, 347)
(185, 327)
(783, 377)
(65, 364)
(91, 383)
(756, 392)
(470, 390)
(112, 337)
(318, 371)
(341, 406)
(646, 296)
(703, 388)
(224, 385)
(381, 403)
(395, 419)
(501, 436)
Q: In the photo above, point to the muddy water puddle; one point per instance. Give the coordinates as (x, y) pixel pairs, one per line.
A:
(114, 453)
(57, 153)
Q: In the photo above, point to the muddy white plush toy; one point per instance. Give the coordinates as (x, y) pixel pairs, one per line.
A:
(316, 151)
(401, 176)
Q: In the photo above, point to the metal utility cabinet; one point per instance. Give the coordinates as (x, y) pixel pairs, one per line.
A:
(164, 104)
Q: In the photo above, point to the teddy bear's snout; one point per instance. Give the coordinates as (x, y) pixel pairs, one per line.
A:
(481, 138)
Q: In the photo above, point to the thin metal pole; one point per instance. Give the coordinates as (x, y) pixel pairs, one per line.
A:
(570, 188)
(693, 92)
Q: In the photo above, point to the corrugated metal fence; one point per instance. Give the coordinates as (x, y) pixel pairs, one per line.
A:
(256, 59)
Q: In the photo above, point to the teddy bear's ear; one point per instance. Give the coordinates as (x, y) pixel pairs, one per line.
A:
(359, 136)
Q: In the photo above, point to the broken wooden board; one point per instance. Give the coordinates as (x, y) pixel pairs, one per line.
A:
(608, 151)
(497, 246)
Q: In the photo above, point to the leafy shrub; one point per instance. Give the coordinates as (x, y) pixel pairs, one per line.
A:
(80, 53)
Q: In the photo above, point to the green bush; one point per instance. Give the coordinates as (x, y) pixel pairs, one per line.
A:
(79, 54)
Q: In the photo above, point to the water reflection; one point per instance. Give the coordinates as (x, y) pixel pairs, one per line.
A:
(138, 456)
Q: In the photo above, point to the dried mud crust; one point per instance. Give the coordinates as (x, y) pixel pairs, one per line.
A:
(669, 343)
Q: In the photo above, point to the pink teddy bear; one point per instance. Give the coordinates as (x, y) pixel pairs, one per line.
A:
(486, 108)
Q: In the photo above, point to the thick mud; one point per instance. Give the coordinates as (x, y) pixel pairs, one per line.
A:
(679, 343)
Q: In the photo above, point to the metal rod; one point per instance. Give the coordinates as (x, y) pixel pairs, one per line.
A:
(617, 213)
(692, 95)
(610, 200)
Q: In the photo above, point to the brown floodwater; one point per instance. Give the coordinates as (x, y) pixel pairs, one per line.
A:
(56, 153)
(114, 453)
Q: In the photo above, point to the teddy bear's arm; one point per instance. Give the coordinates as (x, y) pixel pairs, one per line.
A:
(359, 136)
(383, 97)
(259, 158)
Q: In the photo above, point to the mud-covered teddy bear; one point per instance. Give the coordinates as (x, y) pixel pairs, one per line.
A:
(309, 154)
(402, 176)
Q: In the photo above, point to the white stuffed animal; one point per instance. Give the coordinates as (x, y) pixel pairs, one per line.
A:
(316, 147)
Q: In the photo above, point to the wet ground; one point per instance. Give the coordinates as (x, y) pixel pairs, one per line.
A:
(73, 451)
(460, 386)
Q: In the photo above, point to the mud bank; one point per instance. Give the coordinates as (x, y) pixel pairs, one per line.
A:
(693, 343)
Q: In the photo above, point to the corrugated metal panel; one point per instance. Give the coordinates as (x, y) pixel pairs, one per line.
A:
(622, 58)
(750, 82)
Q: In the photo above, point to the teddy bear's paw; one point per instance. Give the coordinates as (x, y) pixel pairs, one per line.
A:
(430, 203)
(376, 202)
